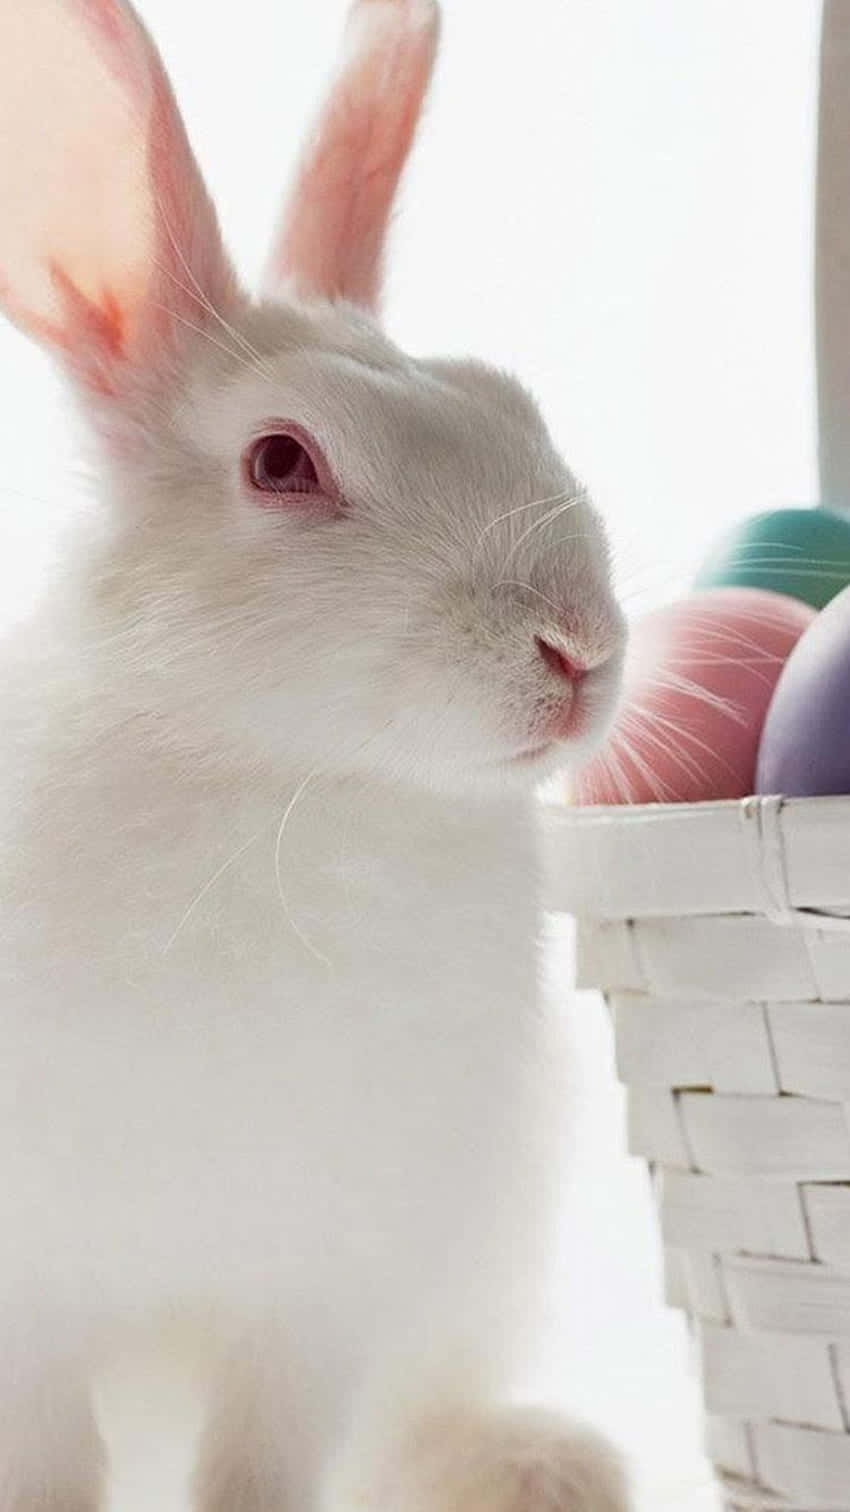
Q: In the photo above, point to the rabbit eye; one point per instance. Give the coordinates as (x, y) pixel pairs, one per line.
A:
(286, 468)
(280, 464)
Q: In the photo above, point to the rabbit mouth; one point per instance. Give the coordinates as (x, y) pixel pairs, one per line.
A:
(566, 734)
(580, 724)
(547, 747)
(534, 753)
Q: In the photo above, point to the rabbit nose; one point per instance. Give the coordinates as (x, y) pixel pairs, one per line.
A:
(565, 667)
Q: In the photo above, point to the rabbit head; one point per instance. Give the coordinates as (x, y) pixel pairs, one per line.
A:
(317, 551)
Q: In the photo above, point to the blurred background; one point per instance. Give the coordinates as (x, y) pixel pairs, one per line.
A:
(617, 201)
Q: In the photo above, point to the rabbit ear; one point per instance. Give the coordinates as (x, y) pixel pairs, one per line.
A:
(331, 237)
(109, 245)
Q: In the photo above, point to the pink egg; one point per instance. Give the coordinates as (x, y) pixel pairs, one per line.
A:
(699, 677)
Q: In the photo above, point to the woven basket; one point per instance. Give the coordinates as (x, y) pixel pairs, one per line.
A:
(716, 933)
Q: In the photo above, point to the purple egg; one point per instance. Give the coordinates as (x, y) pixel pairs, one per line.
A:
(805, 743)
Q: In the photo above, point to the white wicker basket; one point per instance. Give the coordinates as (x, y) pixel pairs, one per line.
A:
(716, 932)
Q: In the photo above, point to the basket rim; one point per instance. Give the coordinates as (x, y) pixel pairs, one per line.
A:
(770, 856)
(631, 813)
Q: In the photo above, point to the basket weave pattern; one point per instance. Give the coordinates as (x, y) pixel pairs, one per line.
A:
(733, 1038)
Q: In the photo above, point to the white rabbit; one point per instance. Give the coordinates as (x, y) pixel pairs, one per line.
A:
(274, 1053)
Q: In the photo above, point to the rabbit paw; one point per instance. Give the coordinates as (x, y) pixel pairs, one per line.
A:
(521, 1460)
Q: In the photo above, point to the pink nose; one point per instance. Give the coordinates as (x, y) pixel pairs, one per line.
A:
(565, 667)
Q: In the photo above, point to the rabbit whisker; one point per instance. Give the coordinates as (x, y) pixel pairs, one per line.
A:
(199, 293)
(222, 346)
(549, 518)
(240, 851)
(642, 722)
(318, 771)
(518, 509)
(287, 813)
(517, 583)
(257, 364)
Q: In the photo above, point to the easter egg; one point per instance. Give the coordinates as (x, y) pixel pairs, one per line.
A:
(698, 679)
(805, 743)
(804, 553)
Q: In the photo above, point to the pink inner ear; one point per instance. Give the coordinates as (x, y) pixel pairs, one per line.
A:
(108, 211)
(72, 180)
(333, 230)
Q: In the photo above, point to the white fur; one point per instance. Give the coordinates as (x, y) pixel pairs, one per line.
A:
(274, 1054)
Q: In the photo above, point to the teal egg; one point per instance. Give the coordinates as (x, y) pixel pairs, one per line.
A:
(803, 553)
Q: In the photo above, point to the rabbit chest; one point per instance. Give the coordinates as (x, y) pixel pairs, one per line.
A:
(244, 1038)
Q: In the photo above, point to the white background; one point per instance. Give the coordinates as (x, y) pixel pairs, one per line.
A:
(616, 199)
